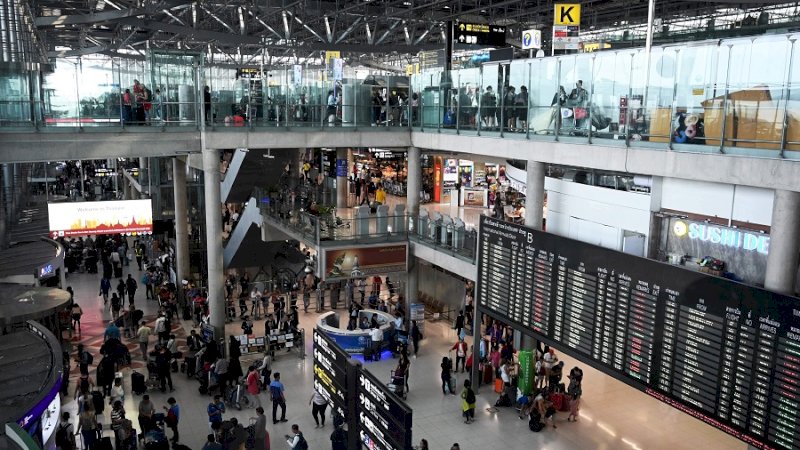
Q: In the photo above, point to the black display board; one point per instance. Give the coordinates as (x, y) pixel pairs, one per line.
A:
(383, 417)
(380, 420)
(330, 372)
(479, 34)
(723, 352)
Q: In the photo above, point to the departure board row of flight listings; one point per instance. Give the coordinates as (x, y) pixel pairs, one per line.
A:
(721, 351)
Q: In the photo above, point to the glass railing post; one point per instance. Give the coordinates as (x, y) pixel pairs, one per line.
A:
(591, 97)
(725, 103)
(558, 104)
(478, 92)
(787, 98)
(502, 95)
(628, 107)
(528, 102)
(674, 110)
(457, 100)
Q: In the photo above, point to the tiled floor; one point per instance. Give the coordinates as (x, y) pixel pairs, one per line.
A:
(614, 416)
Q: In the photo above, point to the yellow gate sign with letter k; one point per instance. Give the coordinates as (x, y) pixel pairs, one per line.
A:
(567, 14)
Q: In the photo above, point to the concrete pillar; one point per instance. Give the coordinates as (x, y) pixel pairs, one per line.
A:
(126, 188)
(784, 248)
(8, 191)
(412, 281)
(341, 179)
(414, 183)
(216, 275)
(181, 221)
(142, 172)
(117, 178)
(8, 186)
(534, 197)
(3, 234)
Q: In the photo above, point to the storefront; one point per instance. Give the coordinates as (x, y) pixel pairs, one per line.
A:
(732, 252)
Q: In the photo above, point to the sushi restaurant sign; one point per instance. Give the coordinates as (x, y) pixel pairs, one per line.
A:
(729, 237)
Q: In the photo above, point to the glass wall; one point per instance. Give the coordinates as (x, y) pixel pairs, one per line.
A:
(738, 96)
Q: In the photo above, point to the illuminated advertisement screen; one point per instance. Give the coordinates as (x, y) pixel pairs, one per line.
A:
(723, 352)
(132, 217)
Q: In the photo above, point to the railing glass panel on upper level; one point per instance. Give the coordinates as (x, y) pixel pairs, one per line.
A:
(736, 96)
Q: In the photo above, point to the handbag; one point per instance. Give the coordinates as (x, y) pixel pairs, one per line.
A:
(566, 113)
(581, 113)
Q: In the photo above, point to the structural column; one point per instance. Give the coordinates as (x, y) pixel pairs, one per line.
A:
(142, 170)
(784, 248)
(181, 221)
(8, 186)
(413, 182)
(341, 178)
(534, 197)
(216, 275)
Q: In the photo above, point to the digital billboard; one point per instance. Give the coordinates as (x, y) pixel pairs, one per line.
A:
(132, 217)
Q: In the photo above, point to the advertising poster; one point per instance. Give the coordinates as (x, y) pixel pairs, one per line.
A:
(450, 177)
(344, 263)
(131, 217)
(437, 181)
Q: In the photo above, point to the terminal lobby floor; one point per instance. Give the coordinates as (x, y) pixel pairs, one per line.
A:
(613, 415)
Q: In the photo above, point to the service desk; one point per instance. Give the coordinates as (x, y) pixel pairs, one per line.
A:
(356, 340)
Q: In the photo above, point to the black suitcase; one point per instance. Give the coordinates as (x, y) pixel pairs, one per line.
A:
(191, 366)
(138, 385)
(98, 401)
(104, 444)
(368, 354)
(187, 313)
(118, 271)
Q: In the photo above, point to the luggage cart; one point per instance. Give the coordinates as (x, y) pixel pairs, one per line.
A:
(397, 385)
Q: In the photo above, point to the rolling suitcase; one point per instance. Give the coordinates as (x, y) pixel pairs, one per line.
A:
(498, 385)
(104, 444)
(118, 272)
(488, 374)
(191, 366)
(98, 401)
(368, 353)
(138, 383)
(451, 384)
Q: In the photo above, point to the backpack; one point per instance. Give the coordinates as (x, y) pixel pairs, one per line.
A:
(64, 439)
(470, 397)
(301, 444)
(87, 358)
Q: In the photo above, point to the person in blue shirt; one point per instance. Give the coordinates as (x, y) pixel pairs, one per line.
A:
(276, 392)
(105, 286)
(112, 332)
(215, 410)
(173, 417)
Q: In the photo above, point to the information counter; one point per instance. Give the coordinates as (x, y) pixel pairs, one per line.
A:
(356, 340)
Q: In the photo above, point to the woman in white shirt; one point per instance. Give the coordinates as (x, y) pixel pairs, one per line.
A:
(117, 392)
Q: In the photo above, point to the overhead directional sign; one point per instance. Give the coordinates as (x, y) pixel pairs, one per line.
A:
(567, 14)
(531, 39)
(479, 34)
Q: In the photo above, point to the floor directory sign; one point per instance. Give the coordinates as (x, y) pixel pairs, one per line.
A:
(721, 351)
(330, 372)
(376, 417)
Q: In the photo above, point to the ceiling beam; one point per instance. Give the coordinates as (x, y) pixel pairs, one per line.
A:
(105, 16)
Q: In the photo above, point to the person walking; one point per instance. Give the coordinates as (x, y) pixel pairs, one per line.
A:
(146, 412)
(105, 287)
(459, 324)
(215, 410)
(173, 417)
(261, 434)
(253, 389)
(76, 312)
(130, 288)
(277, 393)
(121, 287)
(143, 335)
(416, 336)
(296, 440)
(447, 366)
(461, 353)
(162, 368)
(468, 402)
(87, 426)
(339, 438)
(116, 306)
(377, 342)
(318, 405)
(574, 393)
(65, 433)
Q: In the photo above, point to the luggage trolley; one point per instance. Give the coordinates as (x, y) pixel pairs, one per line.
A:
(397, 385)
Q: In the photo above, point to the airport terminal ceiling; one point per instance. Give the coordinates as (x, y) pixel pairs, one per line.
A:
(246, 32)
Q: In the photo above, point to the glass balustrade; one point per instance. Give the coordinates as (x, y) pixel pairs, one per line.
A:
(735, 96)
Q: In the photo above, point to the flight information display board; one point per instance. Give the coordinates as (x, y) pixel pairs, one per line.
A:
(721, 351)
(330, 372)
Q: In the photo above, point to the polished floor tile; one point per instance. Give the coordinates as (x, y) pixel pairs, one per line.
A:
(613, 415)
